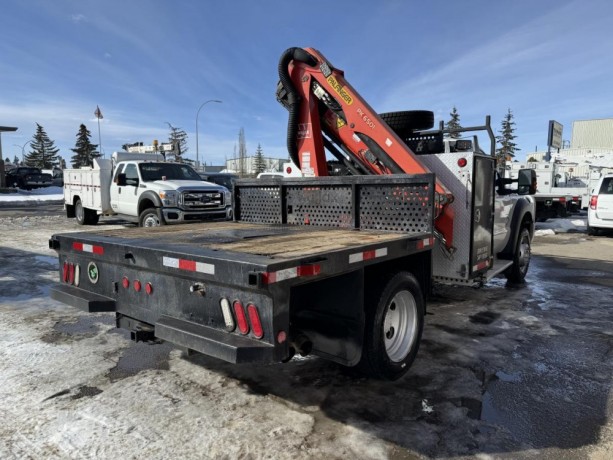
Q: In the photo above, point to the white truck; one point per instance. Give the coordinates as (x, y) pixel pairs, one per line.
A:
(144, 189)
(557, 192)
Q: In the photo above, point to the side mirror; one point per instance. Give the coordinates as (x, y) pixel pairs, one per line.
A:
(121, 180)
(526, 182)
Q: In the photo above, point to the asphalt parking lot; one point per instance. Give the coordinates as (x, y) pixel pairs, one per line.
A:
(503, 372)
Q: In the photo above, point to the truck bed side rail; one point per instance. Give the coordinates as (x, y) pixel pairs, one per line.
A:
(396, 203)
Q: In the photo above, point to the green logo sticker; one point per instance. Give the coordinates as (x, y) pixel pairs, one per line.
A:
(92, 272)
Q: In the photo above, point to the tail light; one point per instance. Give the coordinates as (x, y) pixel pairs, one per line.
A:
(125, 282)
(241, 319)
(254, 319)
(77, 274)
(462, 162)
(593, 201)
(562, 200)
(65, 272)
(149, 288)
(71, 273)
(137, 285)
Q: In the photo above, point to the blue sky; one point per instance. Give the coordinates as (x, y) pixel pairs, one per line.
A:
(145, 63)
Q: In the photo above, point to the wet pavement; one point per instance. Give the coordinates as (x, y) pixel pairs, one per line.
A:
(503, 371)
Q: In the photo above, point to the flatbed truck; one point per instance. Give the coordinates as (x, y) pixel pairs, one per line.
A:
(337, 266)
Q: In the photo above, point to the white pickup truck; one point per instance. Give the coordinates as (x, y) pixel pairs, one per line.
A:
(142, 188)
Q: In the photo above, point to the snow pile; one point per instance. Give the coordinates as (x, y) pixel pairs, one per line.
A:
(553, 226)
(36, 195)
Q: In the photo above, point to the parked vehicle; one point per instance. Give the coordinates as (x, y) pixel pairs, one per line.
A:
(58, 176)
(27, 178)
(225, 179)
(557, 194)
(600, 212)
(144, 189)
(335, 266)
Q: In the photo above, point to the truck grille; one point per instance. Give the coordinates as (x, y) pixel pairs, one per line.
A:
(201, 200)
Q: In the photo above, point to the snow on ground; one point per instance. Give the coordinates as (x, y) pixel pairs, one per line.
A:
(36, 195)
(574, 224)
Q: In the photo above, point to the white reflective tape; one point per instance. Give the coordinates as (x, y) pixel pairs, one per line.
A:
(286, 274)
(353, 258)
(381, 252)
(170, 262)
(88, 248)
(388, 142)
(209, 269)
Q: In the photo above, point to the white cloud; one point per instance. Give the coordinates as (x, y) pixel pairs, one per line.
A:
(77, 18)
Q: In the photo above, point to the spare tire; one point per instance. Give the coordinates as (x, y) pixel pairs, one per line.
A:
(406, 122)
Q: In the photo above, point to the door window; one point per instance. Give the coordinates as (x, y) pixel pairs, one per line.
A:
(607, 186)
(131, 174)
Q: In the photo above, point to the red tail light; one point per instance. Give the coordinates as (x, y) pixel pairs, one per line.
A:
(65, 272)
(562, 200)
(125, 282)
(137, 286)
(149, 288)
(71, 273)
(288, 170)
(593, 201)
(241, 319)
(254, 319)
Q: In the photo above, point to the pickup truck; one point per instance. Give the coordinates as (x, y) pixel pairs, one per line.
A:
(28, 178)
(144, 189)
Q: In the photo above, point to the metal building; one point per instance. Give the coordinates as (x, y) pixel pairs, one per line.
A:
(592, 134)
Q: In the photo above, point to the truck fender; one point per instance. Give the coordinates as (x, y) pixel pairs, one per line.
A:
(148, 197)
(523, 211)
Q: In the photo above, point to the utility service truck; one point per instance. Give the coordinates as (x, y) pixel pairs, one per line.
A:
(142, 188)
(557, 193)
(337, 266)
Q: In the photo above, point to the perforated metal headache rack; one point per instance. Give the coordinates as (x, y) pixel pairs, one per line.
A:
(395, 203)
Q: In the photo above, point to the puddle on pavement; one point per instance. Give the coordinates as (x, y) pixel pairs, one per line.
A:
(141, 356)
(83, 325)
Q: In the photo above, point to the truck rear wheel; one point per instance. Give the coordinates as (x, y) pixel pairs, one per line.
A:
(79, 213)
(394, 324)
(150, 217)
(516, 273)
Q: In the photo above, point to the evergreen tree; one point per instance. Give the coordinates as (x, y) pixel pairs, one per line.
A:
(178, 139)
(259, 164)
(453, 123)
(43, 153)
(16, 160)
(7, 160)
(84, 150)
(506, 140)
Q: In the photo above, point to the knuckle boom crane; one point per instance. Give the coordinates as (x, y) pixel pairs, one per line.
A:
(326, 112)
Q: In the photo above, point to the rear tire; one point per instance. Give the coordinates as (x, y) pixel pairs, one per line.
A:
(592, 231)
(79, 213)
(516, 273)
(394, 324)
(150, 217)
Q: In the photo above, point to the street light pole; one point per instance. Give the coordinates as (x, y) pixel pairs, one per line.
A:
(22, 150)
(198, 113)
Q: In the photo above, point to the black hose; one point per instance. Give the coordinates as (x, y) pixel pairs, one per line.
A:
(293, 98)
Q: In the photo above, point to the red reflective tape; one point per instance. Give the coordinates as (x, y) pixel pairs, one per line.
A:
(98, 250)
(309, 270)
(367, 255)
(269, 278)
(187, 265)
(77, 246)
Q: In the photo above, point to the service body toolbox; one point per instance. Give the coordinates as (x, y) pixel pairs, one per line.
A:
(333, 266)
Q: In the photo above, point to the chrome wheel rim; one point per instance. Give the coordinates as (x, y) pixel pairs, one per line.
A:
(151, 220)
(80, 213)
(400, 326)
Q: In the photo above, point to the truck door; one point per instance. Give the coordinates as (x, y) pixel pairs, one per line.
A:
(114, 188)
(482, 213)
(127, 196)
